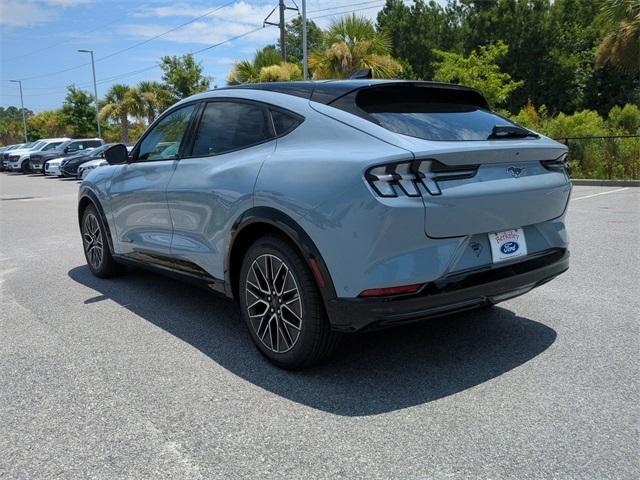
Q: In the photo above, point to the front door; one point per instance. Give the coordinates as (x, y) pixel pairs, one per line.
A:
(138, 189)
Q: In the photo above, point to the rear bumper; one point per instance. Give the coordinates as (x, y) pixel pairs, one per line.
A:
(458, 292)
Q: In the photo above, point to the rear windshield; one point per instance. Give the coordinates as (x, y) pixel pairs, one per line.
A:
(431, 114)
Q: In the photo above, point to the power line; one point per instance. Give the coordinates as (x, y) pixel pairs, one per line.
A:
(227, 40)
(167, 32)
(117, 52)
(152, 67)
(343, 6)
(347, 11)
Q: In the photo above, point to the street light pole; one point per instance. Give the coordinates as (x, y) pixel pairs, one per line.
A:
(95, 89)
(24, 120)
(305, 66)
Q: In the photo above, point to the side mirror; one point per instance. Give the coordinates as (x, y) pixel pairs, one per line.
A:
(116, 155)
(66, 150)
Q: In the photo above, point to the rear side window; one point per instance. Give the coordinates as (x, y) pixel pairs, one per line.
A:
(284, 122)
(227, 126)
(430, 113)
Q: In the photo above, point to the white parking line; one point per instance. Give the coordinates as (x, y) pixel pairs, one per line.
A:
(601, 193)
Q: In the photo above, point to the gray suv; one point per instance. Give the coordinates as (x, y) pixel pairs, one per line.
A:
(37, 160)
(334, 207)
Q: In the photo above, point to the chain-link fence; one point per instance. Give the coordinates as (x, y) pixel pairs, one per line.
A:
(613, 157)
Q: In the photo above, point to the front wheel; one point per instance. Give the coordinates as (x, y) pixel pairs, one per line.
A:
(25, 167)
(282, 307)
(96, 248)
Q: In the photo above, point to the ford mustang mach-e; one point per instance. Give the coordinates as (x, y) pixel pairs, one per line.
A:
(333, 207)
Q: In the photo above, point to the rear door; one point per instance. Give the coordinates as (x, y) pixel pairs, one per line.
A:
(138, 189)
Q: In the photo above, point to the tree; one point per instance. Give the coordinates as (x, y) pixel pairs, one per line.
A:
(265, 67)
(183, 76)
(118, 104)
(479, 70)
(78, 113)
(49, 123)
(621, 45)
(11, 130)
(283, 72)
(417, 30)
(248, 71)
(354, 44)
(293, 39)
(149, 99)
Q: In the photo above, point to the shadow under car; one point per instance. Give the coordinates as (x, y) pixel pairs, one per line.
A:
(371, 373)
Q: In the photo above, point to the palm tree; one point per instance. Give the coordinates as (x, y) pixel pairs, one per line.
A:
(354, 45)
(118, 104)
(147, 99)
(621, 46)
(265, 67)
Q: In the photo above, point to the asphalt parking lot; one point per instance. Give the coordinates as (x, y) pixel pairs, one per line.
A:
(145, 377)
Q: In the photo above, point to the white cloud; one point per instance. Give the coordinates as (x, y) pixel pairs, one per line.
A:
(67, 3)
(16, 13)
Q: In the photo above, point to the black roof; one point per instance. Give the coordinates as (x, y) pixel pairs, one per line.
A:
(327, 91)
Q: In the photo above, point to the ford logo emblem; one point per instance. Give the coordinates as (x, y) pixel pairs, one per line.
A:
(516, 172)
(509, 247)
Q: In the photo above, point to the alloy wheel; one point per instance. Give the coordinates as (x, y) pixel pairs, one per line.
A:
(93, 242)
(274, 304)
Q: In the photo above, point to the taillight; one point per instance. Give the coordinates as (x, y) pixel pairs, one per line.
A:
(405, 178)
(560, 164)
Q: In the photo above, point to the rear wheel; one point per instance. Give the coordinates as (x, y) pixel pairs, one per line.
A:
(96, 248)
(282, 307)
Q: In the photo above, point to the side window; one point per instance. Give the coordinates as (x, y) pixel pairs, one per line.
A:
(227, 126)
(163, 142)
(75, 147)
(284, 122)
(51, 146)
(93, 144)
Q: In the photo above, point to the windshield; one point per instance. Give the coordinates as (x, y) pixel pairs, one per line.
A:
(99, 150)
(83, 153)
(38, 145)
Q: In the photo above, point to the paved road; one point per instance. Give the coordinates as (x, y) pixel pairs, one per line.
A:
(144, 377)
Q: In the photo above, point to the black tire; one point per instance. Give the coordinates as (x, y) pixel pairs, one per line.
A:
(96, 246)
(299, 340)
(25, 167)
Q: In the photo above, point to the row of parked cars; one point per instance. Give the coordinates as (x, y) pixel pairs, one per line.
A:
(63, 157)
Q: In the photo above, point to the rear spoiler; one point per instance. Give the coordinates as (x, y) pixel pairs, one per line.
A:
(333, 92)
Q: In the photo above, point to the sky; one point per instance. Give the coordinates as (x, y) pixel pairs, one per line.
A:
(40, 38)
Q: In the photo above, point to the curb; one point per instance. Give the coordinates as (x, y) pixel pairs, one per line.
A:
(606, 183)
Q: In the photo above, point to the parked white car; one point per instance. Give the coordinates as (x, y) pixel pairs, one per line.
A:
(19, 159)
(85, 168)
(52, 167)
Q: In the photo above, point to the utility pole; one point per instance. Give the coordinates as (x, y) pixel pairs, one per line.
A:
(24, 120)
(95, 89)
(283, 46)
(305, 63)
(281, 25)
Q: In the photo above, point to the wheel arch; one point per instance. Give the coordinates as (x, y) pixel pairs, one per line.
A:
(260, 221)
(88, 197)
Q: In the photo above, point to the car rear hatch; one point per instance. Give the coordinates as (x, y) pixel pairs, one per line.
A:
(477, 172)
